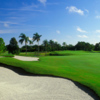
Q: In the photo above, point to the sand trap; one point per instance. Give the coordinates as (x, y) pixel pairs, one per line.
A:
(23, 58)
(18, 87)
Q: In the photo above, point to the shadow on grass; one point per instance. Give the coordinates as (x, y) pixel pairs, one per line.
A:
(21, 71)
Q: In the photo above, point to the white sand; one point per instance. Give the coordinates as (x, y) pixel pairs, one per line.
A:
(26, 58)
(17, 87)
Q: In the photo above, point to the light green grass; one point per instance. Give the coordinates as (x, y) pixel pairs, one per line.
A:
(83, 67)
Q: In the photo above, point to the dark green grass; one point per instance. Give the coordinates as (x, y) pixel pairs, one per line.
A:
(83, 67)
(32, 54)
(6, 54)
(54, 53)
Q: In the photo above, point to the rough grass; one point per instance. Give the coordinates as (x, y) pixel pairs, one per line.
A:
(6, 54)
(54, 53)
(83, 67)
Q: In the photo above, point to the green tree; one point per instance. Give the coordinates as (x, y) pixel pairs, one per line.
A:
(51, 43)
(2, 45)
(97, 46)
(45, 44)
(64, 44)
(24, 38)
(36, 37)
(13, 46)
(64, 47)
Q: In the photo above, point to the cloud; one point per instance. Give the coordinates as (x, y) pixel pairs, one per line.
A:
(43, 1)
(56, 3)
(87, 10)
(58, 32)
(7, 22)
(75, 10)
(82, 36)
(25, 7)
(30, 38)
(29, 7)
(99, 36)
(97, 17)
(97, 31)
(80, 30)
(6, 31)
(54, 40)
(6, 25)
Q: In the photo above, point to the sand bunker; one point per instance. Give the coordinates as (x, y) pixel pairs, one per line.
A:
(19, 87)
(26, 58)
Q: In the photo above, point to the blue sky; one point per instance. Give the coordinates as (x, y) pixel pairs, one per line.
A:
(67, 21)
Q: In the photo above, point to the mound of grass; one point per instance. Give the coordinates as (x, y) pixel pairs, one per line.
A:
(55, 53)
(83, 67)
(6, 54)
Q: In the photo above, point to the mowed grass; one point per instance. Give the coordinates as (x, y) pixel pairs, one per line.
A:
(83, 67)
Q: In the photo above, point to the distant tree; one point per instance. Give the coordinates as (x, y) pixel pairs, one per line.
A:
(24, 38)
(71, 47)
(64, 44)
(36, 37)
(13, 46)
(51, 44)
(84, 46)
(80, 46)
(97, 46)
(45, 44)
(2, 45)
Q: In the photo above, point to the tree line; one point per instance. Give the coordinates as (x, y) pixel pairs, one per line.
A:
(45, 46)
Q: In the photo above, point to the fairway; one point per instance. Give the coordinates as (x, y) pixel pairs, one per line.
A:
(82, 67)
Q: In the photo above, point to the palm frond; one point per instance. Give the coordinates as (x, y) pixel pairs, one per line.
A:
(22, 35)
(21, 41)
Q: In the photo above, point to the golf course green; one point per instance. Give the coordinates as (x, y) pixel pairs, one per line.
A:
(79, 66)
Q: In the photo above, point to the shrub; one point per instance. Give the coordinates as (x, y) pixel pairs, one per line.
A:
(13, 46)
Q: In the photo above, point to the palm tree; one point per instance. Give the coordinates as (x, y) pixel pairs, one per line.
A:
(64, 44)
(45, 44)
(51, 43)
(24, 38)
(36, 37)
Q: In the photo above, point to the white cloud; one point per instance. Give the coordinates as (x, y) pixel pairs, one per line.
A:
(6, 25)
(80, 30)
(58, 32)
(82, 36)
(87, 10)
(98, 17)
(6, 31)
(99, 36)
(54, 40)
(29, 7)
(43, 1)
(30, 38)
(7, 22)
(97, 31)
(26, 7)
(75, 10)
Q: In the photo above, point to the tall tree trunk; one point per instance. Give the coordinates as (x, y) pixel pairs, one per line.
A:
(38, 48)
(26, 47)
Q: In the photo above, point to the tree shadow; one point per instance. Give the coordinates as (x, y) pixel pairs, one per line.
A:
(21, 71)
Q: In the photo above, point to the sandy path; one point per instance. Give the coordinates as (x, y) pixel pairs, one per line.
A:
(19, 87)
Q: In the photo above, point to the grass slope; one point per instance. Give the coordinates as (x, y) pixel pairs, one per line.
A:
(82, 67)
